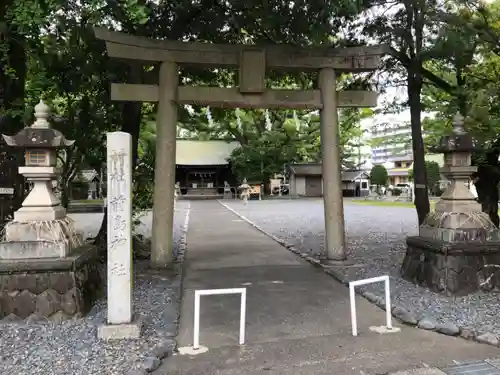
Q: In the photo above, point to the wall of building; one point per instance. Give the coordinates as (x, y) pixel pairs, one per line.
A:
(394, 180)
(386, 139)
(300, 185)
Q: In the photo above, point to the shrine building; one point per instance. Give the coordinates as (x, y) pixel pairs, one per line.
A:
(202, 166)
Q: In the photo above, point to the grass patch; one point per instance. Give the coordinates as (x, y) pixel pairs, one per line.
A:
(387, 203)
(390, 204)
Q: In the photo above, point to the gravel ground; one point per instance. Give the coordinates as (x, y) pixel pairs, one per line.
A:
(72, 347)
(376, 242)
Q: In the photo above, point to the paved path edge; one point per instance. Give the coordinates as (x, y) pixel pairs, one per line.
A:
(406, 317)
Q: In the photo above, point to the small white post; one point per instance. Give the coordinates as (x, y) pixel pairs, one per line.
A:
(212, 292)
(352, 299)
(196, 328)
(388, 308)
(119, 265)
(243, 309)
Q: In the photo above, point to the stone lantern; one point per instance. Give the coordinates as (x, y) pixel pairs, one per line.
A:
(457, 250)
(41, 143)
(40, 227)
(46, 272)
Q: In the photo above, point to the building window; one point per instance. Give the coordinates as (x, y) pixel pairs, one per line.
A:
(364, 185)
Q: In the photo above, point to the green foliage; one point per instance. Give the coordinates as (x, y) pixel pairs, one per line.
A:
(379, 175)
(433, 175)
(266, 150)
(48, 50)
(143, 181)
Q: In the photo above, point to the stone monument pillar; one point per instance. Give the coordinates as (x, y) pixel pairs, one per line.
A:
(457, 250)
(45, 269)
(120, 324)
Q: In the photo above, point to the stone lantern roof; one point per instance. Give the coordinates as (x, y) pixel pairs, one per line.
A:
(458, 141)
(40, 134)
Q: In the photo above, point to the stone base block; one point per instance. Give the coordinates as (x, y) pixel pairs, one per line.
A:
(120, 331)
(384, 329)
(34, 249)
(453, 268)
(50, 288)
(460, 234)
(40, 239)
(477, 223)
(40, 213)
(46, 230)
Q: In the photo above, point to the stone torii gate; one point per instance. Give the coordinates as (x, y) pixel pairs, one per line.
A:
(253, 62)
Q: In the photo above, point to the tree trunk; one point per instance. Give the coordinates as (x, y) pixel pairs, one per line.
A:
(12, 95)
(131, 113)
(487, 186)
(419, 172)
(65, 195)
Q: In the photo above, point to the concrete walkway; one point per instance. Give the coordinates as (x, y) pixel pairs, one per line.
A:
(297, 316)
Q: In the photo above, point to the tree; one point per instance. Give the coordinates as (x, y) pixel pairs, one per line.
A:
(412, 28)
(471, 72)
(48, 50)
(283, 139)
(379, 176)
(403, 30)
(433, 175)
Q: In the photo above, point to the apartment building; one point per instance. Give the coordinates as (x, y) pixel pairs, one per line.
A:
(389, 139)
(359, 150)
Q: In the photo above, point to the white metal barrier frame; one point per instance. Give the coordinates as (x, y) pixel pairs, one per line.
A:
(352, 295)
(212, 292)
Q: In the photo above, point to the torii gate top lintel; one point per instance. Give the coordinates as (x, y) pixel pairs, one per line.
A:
(252, 61)
(283, 57)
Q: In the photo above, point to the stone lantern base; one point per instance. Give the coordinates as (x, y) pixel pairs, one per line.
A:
(39, 239)
(455, 254)
(50, 288)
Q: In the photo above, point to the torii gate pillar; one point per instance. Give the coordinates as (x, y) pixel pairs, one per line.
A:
(163, 201)
(331, 168)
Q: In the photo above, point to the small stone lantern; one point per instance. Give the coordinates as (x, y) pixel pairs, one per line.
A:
(41, 143)
(457, 242)
(457, 149)
(245, 190)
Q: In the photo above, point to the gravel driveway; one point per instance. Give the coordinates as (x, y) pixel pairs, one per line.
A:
(376, 242)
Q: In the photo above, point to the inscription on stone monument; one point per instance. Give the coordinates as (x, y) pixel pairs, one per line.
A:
(119, 228)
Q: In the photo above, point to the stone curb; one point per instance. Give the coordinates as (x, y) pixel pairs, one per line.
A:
(406, 317)
(162, 352)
